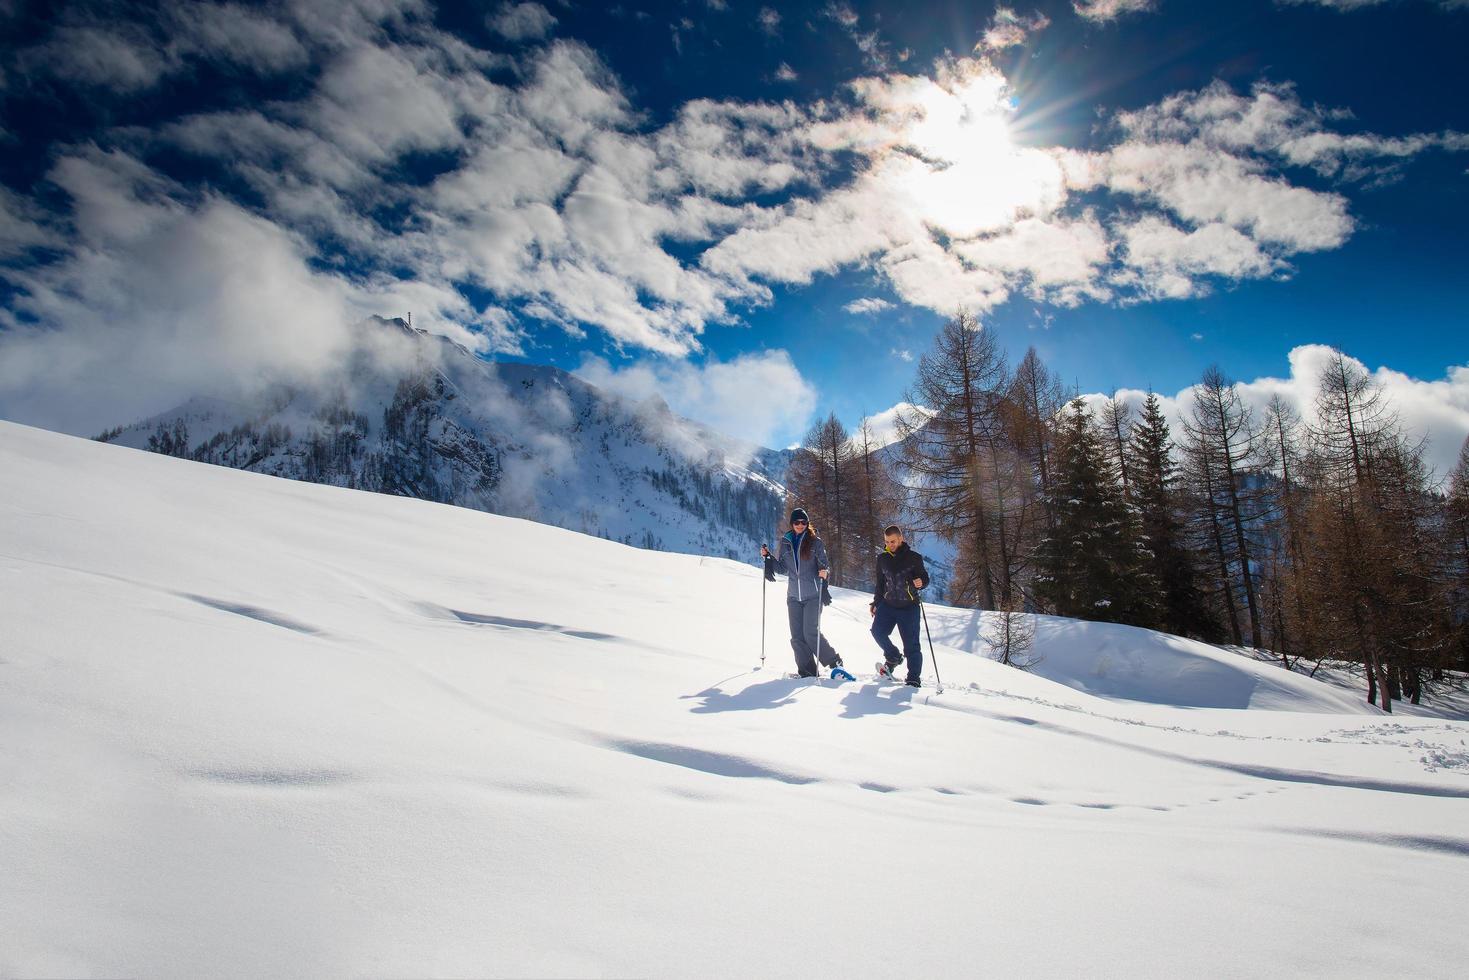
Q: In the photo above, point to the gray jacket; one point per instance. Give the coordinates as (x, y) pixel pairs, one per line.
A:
(801, 581)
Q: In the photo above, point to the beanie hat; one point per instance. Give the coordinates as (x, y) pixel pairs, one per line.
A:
(799, 514)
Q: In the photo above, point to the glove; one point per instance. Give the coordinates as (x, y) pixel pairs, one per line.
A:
(769, 569)
(825, 593)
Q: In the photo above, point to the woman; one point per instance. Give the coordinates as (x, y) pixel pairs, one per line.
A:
(801, 557)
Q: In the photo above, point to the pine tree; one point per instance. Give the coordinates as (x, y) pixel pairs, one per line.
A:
(1093, 564)
(1183, 608)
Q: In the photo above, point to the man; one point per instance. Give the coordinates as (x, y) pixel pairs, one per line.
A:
(900, 571)
(802, 559)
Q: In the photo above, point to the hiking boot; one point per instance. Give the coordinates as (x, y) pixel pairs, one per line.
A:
(913, 682)
(886, 668)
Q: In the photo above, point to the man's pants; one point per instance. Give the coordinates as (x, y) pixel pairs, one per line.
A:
(806, 638)
(906, 620)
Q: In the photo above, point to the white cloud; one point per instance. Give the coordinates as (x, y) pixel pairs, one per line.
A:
(522, 21)
(159, 306)
(1102, 11)
(1349, 5)
(759, 397)
(867, 304)
(21, 226)
(1204, 186)
(234, 34)
(785, 73)
(1272, 122)
(375, 104)
(874, 50)
(1434, 410)
(118, 59)
(1170, 263)
(769, 20)
(884, 425)
(1008, 29)
(560, 204)
(842, 13)
(127, 56)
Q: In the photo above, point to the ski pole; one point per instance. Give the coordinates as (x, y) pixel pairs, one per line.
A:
(762, 617)
(820, 595)
(931, 656)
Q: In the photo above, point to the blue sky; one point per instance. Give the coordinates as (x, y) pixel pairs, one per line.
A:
(720, 200)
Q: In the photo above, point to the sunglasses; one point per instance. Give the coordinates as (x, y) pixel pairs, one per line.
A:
(798, 523)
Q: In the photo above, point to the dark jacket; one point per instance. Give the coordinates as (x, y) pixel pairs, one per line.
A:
(896, 571)
(800, 565)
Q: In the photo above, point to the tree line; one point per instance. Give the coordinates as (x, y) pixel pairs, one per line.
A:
(1317, 538)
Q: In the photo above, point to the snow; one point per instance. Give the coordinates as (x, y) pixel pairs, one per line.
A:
(250, 726)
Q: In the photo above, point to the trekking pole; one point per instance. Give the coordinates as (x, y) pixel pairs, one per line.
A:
(820, 595)
(763, 579)
(937, 679)
(762, 618)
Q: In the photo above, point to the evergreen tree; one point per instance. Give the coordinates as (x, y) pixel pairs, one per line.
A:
(1093, 564)
(1183, 608)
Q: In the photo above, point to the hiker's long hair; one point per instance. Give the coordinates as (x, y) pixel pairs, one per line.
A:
(808, 542)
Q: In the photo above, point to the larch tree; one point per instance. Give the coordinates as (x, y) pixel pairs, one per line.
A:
(1223, 440)
(962, 380)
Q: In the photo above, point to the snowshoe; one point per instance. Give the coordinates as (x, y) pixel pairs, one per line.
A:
(885, 669)
(839, 673)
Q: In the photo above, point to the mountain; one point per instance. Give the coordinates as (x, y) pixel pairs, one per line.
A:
(416, 415)
(262, 727)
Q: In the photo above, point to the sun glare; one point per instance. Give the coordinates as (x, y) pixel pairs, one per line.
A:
(961, 171)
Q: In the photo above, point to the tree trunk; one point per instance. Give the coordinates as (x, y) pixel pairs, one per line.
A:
(1382, 686)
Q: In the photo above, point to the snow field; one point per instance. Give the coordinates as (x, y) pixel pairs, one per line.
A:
(250, 726)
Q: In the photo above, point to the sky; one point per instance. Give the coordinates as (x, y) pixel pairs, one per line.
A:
(732, 203)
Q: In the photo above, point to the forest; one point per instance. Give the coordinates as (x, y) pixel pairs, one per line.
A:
(1311, 537)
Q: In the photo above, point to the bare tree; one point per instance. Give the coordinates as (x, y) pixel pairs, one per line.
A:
(1285, 561)
(1038, 394)
(1222, 435)
(962, 380)
(1010, 633)
(820, 480)
(1115, 419)
(877, 499)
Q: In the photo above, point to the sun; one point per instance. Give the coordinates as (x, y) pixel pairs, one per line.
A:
(960, 170)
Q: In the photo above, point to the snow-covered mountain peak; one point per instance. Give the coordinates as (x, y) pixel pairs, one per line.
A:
(416, 414)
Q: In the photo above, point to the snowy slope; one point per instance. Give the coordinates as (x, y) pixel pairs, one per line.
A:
(258, 727)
